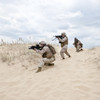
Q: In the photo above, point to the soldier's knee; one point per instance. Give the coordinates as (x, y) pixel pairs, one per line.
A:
(61, 51)
(44, 59)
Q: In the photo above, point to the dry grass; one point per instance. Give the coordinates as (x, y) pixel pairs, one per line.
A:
(17, 52)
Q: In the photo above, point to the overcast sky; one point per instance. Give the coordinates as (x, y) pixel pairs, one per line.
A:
(36, 20)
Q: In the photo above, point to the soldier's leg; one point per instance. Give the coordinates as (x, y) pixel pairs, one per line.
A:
(66, 52)
(40, 66)
(49, 61)
(76, 49)
(45, 61)
(79, 48)
(62, 53)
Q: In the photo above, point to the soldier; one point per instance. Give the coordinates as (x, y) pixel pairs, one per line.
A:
(64, 44)
(48, 55)
(78, 45)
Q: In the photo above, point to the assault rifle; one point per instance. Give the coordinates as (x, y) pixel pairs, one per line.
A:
(57, 36)
(35, 47)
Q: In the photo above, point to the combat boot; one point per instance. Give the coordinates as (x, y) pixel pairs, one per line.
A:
(69, 56)
(51, 64)
(39, 69)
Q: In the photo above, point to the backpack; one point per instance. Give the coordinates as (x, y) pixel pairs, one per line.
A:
(52, 49)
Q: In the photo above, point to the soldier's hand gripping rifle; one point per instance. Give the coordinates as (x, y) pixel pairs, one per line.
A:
(35, 47)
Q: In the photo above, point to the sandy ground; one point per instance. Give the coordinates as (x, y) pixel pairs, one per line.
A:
(75, 78)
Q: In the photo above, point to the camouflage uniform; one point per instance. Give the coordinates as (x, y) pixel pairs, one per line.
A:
(47, 57)
(78, 45)
(64, 45)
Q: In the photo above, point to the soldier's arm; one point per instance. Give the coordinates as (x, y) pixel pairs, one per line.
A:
(79, 42)
(41, 51)
(63, 40)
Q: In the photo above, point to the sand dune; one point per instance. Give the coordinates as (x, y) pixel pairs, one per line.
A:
(75, 78)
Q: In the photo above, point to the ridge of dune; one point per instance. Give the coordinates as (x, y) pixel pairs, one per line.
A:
(75, 78)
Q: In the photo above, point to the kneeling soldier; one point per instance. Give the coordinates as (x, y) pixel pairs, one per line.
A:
(78, 45)
(47, 53)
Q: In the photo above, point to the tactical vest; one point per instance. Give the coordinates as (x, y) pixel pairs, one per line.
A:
(64, 43)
